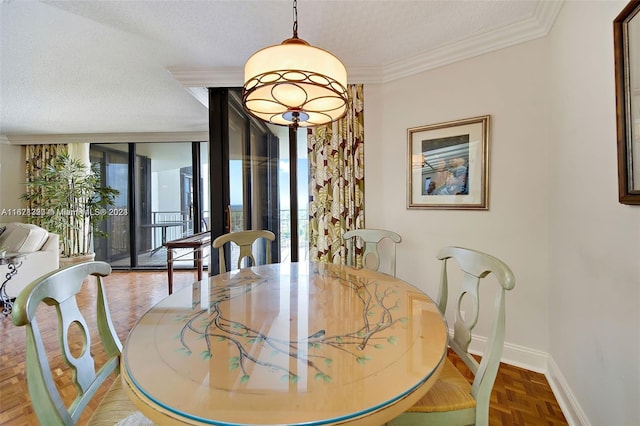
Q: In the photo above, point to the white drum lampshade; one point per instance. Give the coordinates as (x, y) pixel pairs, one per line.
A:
(295, 84)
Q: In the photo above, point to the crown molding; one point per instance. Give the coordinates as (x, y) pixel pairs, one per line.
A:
(365, 75)
(208, 76)
(192, 77)
(547, 12)
(201, 94)
(197, 80)
(107, 138)
(535, 27)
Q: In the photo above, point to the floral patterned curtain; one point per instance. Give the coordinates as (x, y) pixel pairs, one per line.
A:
(38, 157)
(336, 188)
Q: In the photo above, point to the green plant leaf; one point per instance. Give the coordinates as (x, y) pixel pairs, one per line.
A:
(184, 351)
(324, 377)
(363, 359)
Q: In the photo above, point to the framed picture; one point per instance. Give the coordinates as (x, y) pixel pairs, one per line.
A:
(626, 38)
(448, 165)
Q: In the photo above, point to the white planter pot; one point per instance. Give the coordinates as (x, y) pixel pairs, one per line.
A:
(74, 260)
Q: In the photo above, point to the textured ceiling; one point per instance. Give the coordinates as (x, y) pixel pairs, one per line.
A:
(71, 67)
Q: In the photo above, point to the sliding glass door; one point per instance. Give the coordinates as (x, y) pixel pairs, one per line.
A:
(288, 221)
(244, 175)
(162, 198)
(114, 169)
(242, 179)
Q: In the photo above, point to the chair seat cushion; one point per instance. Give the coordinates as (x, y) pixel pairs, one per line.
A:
(117, 408)
(451, 392)
(137, 419)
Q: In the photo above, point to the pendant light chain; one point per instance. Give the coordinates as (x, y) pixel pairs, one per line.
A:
(295, 116)
(295, 18)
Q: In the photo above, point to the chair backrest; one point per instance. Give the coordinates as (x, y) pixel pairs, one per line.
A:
(59, 289)
(245, 240)
(476, 265)
(371, 238)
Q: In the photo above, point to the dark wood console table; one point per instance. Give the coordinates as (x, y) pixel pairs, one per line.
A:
(196, 243)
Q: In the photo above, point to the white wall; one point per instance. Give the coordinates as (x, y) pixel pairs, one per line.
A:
(595, 241)
(12, 178)
(554, 215)
(511, 86)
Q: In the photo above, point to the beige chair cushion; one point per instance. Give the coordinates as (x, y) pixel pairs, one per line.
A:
(23, 237)
(117, 408)
(137, 419)
(451, 392)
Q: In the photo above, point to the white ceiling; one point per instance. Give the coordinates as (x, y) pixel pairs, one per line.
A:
(103, 67)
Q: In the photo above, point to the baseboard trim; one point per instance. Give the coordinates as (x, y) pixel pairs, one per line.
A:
(526, 358)
(519, 356)
(569, 405)
(540, 362)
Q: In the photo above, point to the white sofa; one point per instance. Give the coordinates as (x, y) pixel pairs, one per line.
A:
(42, 250)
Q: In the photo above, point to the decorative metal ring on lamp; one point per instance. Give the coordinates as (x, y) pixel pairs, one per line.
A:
(295, 84)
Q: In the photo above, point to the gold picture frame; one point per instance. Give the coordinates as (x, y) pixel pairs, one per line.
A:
(448, 165)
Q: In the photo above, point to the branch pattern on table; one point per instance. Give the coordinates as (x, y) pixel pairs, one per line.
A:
(212, 326)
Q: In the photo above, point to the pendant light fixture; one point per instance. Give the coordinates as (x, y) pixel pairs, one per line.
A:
(294, 83)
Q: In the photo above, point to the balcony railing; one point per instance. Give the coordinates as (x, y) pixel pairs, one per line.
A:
(118, 230)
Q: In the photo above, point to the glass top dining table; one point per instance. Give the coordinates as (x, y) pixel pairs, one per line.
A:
(293, 343)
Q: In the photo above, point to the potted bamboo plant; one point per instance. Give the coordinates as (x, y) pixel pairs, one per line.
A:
(73, 202)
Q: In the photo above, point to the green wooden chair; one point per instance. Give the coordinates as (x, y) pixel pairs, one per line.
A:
(59, 289)
(453, 400)
(245, 240)
(371, 258)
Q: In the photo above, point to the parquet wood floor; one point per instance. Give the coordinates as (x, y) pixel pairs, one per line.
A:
(520, 397)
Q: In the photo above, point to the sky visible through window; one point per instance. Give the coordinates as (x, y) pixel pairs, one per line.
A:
(235, 167)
